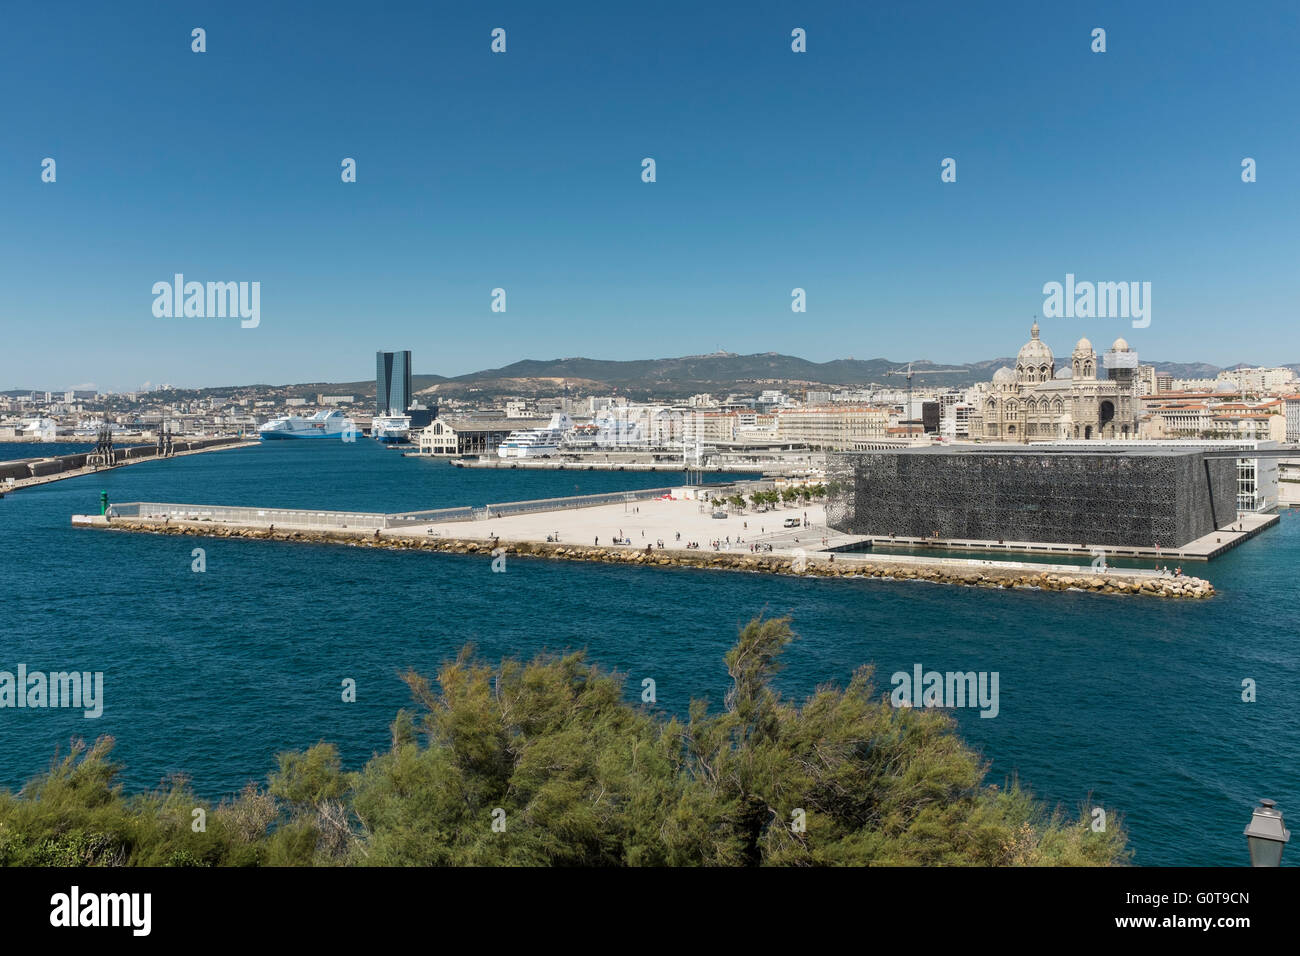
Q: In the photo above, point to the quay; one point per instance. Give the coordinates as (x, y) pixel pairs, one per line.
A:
(1208, 546)
(716, 464)
(29, 472)
(656, 525)
(546, 464)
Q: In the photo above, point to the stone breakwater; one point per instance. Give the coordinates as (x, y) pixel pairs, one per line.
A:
(949, 571)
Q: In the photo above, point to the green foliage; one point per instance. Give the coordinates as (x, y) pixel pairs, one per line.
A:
(544, 764)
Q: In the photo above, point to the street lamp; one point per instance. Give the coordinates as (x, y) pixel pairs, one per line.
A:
(1267, 835)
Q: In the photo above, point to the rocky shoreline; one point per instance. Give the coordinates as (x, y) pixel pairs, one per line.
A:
(1111, 581)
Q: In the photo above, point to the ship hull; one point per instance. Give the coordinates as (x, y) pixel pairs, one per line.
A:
(293, 436)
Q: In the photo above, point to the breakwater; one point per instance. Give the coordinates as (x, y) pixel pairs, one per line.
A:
(25, 472)
(983, 574)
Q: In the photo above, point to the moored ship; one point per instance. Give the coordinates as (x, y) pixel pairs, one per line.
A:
(536, 442)
(329, 424)
(391, 429)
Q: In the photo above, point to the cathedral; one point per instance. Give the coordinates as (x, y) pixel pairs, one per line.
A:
(1036, 401)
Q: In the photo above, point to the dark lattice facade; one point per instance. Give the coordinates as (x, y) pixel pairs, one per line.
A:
(1106, 497)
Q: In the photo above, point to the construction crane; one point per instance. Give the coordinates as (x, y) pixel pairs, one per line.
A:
(929, 371)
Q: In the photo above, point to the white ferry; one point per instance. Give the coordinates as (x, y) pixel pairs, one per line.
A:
(330, 424)
(391, 429)
(536, 442)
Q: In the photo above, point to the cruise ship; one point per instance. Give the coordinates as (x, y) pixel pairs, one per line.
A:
(536, 442)
(329, 424)
(391, 429)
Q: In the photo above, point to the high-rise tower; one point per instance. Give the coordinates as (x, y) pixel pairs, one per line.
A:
(392, 382)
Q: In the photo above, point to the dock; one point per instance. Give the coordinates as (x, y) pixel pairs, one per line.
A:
(1245, 527)
(720, 463)
(23, 473)
(649, 527)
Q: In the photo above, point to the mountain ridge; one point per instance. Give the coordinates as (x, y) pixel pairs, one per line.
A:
(682, 376)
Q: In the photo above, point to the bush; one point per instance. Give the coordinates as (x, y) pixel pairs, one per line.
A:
(544, 764)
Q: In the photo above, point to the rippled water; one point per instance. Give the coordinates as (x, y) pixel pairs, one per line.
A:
(1134, 701)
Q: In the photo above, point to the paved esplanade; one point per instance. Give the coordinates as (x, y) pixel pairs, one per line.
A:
(643, 522)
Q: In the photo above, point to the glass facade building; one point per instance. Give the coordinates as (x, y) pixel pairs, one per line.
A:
(1121, 498)
(392, 382)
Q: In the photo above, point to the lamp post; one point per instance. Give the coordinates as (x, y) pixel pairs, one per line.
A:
(1267, 835)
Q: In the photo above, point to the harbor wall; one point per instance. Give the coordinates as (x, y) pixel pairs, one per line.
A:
(23, 468)
(937, 571)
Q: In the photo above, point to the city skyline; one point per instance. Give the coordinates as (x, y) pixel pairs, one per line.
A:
(523, 171)
(973, 364)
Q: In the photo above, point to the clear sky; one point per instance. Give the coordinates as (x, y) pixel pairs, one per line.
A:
(522, 171)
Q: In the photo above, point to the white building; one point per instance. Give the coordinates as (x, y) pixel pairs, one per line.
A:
(1258, 379)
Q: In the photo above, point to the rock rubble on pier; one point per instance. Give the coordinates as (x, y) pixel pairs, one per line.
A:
(1111, 581)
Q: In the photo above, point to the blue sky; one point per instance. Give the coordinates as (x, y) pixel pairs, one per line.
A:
(522, 170)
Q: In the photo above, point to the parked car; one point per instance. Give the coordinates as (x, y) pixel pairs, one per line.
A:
(792, 522)
(719, 514)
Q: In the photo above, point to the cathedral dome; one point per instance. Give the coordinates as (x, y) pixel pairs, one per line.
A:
(1083, 345)
(1120, 346)
(1034, 352)
(1065, 373)
(1004, 376)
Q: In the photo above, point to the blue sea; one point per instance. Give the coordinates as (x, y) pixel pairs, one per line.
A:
(1131, 704)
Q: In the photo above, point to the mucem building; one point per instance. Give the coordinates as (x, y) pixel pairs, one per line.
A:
(1111, 496)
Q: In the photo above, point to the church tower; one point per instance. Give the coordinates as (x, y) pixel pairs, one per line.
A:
(1083, 361)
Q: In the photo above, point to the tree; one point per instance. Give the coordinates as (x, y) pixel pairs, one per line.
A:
(546, 763)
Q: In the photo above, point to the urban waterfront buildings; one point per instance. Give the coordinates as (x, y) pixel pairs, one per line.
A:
(458, 437)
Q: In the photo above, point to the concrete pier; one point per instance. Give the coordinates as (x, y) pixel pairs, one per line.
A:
(759, 542)
(29, 472)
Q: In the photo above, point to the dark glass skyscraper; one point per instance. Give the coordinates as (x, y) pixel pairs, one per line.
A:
(392, 382)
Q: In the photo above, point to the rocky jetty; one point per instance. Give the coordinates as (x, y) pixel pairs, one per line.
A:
(1111, 581)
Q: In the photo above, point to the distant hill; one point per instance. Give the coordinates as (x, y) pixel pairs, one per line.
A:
(680, 377)
(724, 372)
(670, 378)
